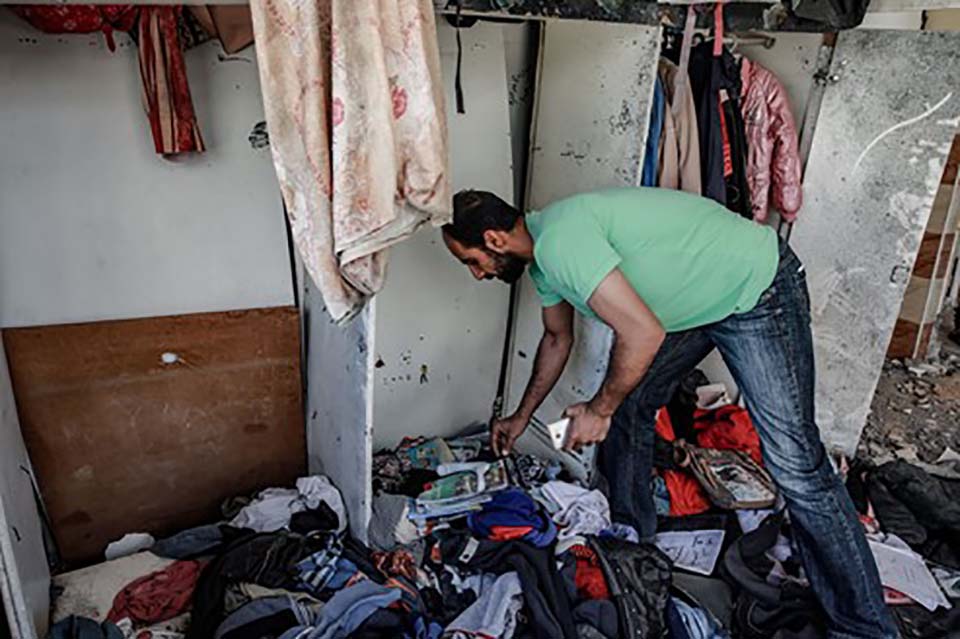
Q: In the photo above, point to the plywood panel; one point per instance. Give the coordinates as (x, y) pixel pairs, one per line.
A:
(123, 441)
(881, 142)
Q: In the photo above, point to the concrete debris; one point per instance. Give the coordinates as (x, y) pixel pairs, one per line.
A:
(948, 455)
(915, 414)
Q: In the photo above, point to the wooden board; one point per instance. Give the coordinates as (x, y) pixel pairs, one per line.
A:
(122, 441)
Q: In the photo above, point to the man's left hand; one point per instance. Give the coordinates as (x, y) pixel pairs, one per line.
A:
(586, 426)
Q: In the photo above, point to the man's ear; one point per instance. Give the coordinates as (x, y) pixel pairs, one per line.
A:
(496, 240)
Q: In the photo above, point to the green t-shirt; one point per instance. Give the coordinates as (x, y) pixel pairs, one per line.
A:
(690, 259)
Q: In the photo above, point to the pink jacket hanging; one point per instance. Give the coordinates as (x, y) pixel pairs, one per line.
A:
(773, 158)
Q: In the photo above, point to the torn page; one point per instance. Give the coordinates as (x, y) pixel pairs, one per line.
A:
(694, 550)
(905, 572)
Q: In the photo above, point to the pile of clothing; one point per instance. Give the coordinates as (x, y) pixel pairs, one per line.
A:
(512, 547)
(463, 545)
(542, 560)
(701, 421)
(722, 127)
(906, 511)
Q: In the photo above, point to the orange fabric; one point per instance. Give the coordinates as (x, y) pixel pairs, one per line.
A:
(686, 495)
(663, 425)
(728, 428)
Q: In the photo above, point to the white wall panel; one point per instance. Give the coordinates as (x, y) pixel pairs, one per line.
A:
(24, 576)
(439, 332)
(94, 224)
(595, 84)
(878, 153)
(339, 403)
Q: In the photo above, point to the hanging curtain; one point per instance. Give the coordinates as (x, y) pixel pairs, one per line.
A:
(354, 107)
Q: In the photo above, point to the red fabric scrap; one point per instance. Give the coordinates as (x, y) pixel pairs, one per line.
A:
(79, 18)
(506, 533)
(166, 93)
(163, 73)
(686, 495)
(893, 597)
(399, 563)
(159, 596)
(728, 428)
(591, 584)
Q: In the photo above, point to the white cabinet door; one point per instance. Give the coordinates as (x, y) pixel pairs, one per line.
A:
(24, 576)
(881, 141)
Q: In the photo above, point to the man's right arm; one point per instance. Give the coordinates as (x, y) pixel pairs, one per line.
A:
(552, 355)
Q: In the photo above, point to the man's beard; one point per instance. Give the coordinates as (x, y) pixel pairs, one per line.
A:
(509, 267)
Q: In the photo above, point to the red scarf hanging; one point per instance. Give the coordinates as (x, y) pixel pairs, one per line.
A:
(163, 73)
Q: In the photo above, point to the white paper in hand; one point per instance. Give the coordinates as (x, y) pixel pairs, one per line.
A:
(558, 432)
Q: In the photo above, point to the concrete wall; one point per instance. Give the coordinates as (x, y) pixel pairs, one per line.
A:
(870, 186)
(96, 225)
(339, 402)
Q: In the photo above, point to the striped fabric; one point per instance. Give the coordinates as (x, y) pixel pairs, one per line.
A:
(166, 94)
(318, 569)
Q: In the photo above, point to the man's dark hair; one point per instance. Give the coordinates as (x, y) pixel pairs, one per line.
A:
(477, 211)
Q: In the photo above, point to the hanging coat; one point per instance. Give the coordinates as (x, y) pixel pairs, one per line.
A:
(773, 157)
(680, 143)
(651, 154)
(710, 78)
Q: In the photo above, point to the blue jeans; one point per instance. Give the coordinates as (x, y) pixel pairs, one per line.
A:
(769, 351)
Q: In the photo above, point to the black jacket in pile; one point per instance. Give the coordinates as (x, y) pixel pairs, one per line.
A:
(638, 576)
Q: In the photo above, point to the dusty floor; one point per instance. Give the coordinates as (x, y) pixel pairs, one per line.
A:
(916, 413)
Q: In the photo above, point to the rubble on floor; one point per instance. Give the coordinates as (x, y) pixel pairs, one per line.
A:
(915, 415)
(463, 545)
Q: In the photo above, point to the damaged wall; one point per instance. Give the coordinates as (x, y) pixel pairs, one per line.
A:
(107, 254)
(339, 402)
(863, 218)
